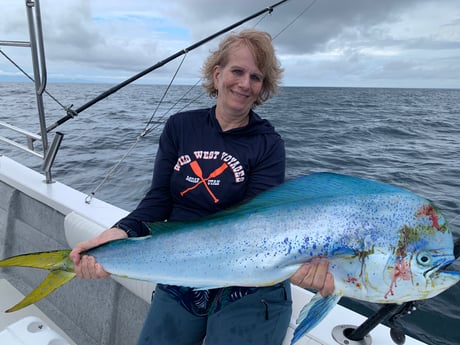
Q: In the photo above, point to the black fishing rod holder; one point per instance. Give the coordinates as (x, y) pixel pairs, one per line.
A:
(50, 156)
(352, 335)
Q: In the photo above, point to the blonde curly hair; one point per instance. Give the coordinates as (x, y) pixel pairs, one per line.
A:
(260, 43)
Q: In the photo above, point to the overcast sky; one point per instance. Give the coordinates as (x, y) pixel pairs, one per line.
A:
(362, 43)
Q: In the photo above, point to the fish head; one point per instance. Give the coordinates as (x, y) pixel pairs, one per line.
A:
(406, 264)
(418, 276)
(415, 267)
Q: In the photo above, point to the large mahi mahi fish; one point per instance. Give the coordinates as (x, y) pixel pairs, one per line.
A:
(384, 245)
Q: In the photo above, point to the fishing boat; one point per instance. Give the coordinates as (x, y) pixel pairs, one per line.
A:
(37, 212)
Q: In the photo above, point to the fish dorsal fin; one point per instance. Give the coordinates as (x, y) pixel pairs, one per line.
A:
(326, 185)
(316, 186)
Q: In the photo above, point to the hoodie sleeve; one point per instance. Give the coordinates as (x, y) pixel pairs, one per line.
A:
(269, 170)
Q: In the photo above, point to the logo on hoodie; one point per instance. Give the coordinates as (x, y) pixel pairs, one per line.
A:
(223, 160)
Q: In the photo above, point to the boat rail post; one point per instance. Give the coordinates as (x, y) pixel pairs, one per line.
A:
(40, 75)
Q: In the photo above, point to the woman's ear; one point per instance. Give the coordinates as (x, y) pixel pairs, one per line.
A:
(216, 76)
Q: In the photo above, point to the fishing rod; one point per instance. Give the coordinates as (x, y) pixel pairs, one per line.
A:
(72, 113)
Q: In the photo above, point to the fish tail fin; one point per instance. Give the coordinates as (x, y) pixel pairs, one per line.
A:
(53, 281)
(312, 313)
(57, 259)
(58, 262)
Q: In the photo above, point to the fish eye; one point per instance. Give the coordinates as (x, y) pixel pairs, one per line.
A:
(424, 258)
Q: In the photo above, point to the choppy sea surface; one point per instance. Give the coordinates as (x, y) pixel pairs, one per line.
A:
(406, 137)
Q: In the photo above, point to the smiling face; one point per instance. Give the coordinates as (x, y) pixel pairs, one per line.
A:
(239, 83)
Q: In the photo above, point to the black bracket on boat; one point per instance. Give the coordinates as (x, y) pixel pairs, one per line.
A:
(352, 335)
(396, 332)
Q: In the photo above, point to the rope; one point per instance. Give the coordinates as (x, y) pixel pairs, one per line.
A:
(149, 130)
(308, 7)
(90, 196)
(67, 109)
(144, 133)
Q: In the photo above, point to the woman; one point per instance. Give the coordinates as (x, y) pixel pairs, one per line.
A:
(208, 160)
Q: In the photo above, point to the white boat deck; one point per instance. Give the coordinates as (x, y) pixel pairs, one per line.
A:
(27, 326)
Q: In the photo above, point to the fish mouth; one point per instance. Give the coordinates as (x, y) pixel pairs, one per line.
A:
(451, 266)
(433, 270)
(446, 266)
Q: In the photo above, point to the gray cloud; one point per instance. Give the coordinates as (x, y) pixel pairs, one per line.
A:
(337, 43)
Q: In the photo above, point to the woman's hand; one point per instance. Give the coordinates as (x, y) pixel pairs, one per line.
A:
(315, 275)
(86, 266)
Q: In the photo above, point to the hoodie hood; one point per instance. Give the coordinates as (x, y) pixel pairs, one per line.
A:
(256, 125)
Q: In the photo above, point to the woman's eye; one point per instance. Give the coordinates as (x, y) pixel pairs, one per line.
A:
(256, 77)
(237, 72)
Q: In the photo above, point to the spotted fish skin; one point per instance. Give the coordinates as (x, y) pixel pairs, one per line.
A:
(384, 244)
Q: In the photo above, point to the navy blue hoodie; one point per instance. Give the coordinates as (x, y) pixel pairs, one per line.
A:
(200, 169)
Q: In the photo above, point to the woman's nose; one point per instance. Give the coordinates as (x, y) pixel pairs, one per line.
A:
(245, 81)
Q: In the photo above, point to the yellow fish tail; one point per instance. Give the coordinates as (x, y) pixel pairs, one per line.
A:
(53, 281)
(58, 262)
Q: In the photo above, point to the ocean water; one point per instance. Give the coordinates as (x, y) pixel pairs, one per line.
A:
(406, 137)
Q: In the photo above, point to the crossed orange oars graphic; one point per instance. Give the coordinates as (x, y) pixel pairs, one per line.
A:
(199, 173)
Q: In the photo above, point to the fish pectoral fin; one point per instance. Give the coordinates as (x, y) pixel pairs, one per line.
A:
(53, 281)
(312, 313)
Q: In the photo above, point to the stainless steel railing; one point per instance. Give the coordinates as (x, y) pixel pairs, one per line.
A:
(36, 46)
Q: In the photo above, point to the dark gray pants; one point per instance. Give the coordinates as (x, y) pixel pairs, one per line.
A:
(261, 318)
